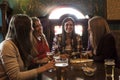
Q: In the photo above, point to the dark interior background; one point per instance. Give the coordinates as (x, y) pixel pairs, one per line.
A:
(43, 8)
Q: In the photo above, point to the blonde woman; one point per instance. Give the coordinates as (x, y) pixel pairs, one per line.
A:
(101, 40)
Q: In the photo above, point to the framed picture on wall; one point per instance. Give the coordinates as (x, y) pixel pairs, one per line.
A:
(113, 9)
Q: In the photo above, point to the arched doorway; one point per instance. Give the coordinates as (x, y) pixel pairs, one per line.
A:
(62, 12)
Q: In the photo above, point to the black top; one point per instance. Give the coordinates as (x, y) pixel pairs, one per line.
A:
(106, 49)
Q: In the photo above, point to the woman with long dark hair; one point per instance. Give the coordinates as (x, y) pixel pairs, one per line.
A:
(17, 51)
(68, 41)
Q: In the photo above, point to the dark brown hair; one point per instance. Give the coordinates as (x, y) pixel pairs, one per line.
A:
(20, 31)
(73, 34)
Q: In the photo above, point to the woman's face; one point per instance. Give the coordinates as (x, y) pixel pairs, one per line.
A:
(68, 26)
(38, 27)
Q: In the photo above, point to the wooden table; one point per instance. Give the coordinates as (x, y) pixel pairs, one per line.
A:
(76, 73)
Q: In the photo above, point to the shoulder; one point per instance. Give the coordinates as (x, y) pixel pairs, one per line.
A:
(8, 47)
(108, 39)
(58, 36)
(6, 43)
(109, 36)
(77, 36)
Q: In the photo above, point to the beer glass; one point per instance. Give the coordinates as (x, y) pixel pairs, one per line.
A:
(109, 67)
(50, 57)
(61, 62)
(89, 69)
(61, 65)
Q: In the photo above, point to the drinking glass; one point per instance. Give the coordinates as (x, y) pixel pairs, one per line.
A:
(61, 62)
(109, 67)
(50, 57)
(89, 69)
(56, 56)
(61, 65)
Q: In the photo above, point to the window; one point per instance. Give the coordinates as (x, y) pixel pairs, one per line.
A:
(78, 29)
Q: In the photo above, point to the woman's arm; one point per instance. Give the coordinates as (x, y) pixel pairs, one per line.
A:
(14, 64)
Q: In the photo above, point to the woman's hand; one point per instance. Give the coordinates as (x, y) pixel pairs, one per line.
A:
(41, 61)
(49, 65)
(46, 67)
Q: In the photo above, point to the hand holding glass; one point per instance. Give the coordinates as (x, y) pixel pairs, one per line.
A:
(50, 57)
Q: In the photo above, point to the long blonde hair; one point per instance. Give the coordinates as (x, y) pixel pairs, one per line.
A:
(99, 27)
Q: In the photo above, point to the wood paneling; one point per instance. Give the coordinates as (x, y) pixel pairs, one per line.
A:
(113, 9)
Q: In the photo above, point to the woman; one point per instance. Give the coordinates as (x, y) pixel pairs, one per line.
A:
(101, 40)
(42, 44)
(68, 41)
(17, 50)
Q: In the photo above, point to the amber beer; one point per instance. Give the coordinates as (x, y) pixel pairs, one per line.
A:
(109, 67)
(61, 66)
(50, 55)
